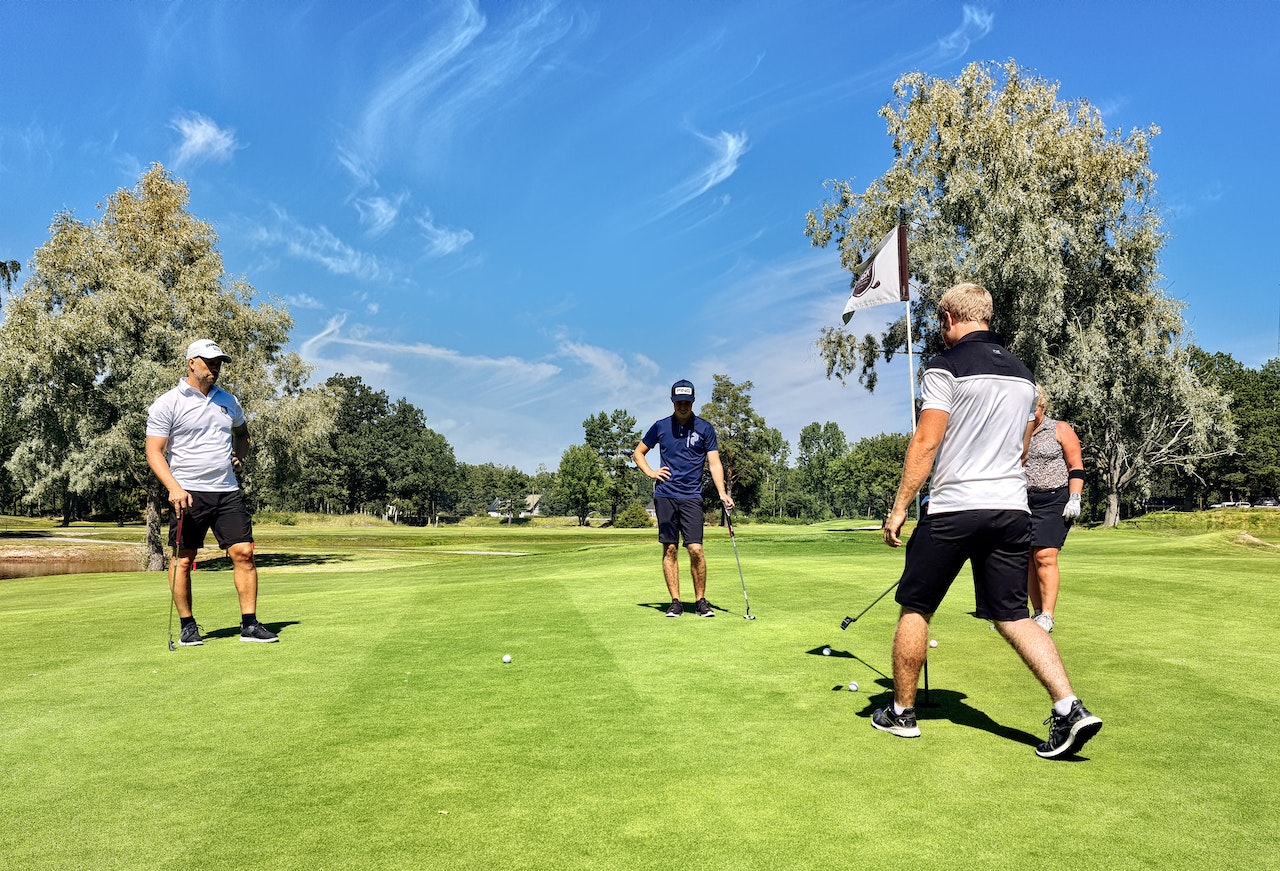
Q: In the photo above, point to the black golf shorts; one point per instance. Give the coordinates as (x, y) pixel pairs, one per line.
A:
(1048, 526)
(996, 544)
(679, 518)
(224, 513)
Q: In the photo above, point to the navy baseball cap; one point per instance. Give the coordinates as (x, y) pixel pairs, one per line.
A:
(682, 391)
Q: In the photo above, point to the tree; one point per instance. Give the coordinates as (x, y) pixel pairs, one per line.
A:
(9, 270)
(1033, 198)
(819, 447)
(580, 481)
(421, 470)
(614, 438)
(747, 444)
(1253, 470)
(100, 330)
(868, 474)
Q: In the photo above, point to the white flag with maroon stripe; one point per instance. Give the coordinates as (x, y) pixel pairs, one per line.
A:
(883, 276)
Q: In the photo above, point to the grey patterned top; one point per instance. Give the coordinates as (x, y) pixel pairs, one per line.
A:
(1046, 467)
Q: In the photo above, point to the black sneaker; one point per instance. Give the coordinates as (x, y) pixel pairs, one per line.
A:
(675, 609)
(1068, 734)
(903, 725)
(258, 632)
(190, 636)
(703, 607)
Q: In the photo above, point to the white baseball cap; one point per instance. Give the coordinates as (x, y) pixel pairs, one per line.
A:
(206, 348)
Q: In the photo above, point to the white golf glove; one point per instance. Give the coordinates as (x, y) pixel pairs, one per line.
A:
(1072, 509)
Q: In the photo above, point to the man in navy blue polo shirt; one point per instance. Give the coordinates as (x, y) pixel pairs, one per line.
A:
(977, 416)
(686, 443)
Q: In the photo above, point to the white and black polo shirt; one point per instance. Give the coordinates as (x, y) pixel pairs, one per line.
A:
(990, 395)
(198, 428)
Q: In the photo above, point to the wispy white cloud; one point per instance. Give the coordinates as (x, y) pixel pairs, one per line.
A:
(202, 141)
(378, 214)
(728, 149)
(317, 245)
(453, 78)
(442, 241)
(510, 369)
(607, 371)
(976, 24)
(304, 301)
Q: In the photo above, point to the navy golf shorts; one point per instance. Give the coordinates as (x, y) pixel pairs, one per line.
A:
(996, 544)
(1048, 526)
(677, 519)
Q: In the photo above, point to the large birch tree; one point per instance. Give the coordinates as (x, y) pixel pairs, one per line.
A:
(99, 330)
(1002, 183)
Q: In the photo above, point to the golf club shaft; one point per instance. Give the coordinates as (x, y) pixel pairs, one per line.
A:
(733, 538)
(848, 620)
(173, 574)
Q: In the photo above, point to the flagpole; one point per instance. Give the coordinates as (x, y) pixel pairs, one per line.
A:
(911, 371)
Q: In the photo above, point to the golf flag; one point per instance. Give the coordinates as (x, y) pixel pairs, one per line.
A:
(883, 276)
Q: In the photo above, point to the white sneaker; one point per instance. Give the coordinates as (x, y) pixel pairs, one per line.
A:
(1044, 621)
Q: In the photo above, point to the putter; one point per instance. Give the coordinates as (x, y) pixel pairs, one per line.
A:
(848, 621)
(729, 522)
(173, 571)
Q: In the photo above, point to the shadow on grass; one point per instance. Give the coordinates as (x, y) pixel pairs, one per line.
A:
(276, 560)
(688, 607)
(846, 654)
(949, 705)
(26, 533)
(234, 631)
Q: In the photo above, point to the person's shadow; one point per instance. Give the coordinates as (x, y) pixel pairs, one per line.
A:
(949, 705)
(234, 631)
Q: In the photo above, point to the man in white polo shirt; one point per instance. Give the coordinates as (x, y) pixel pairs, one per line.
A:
(196, 439)
(977, 415)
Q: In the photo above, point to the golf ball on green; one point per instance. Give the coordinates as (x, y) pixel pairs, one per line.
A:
(933, 642)
(853, 686)
(506, 657)
(826, 651)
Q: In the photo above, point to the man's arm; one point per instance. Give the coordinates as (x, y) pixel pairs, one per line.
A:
(915, 469)
(662, 473)
(717, 477)
(239, 445)
(156, 447)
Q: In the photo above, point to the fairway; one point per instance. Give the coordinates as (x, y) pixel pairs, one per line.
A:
(385, 731)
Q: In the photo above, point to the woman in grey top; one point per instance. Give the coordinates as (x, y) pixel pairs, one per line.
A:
(1055, 478)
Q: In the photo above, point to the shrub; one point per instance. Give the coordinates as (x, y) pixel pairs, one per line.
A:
(634, 517)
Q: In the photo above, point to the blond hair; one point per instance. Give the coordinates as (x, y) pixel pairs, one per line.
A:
(967, 302)
(1042, 399)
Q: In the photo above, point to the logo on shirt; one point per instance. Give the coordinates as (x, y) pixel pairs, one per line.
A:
(224, 410)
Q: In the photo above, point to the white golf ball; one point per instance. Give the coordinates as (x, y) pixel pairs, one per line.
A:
(933, 642)
(506, 657)
(826, 651)
(853, 686)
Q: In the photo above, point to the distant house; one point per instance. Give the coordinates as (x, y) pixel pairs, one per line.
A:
(532, 507)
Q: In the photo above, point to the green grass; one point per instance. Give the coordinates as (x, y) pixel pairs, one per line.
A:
(385, 732)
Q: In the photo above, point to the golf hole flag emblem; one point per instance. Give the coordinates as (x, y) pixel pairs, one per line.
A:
(883, 276)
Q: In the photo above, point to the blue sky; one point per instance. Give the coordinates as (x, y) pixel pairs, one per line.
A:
(516, 215)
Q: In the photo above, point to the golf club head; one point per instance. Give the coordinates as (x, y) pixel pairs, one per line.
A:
(748, 616)
(846, 622)
(171, 647)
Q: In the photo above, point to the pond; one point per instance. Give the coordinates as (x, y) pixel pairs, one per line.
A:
(36, 568)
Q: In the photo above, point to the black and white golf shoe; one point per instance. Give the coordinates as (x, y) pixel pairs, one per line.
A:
(190, 636)
(903, 725)
(1068, 734)
(675, 609)
(258, 632)
(703, 607)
